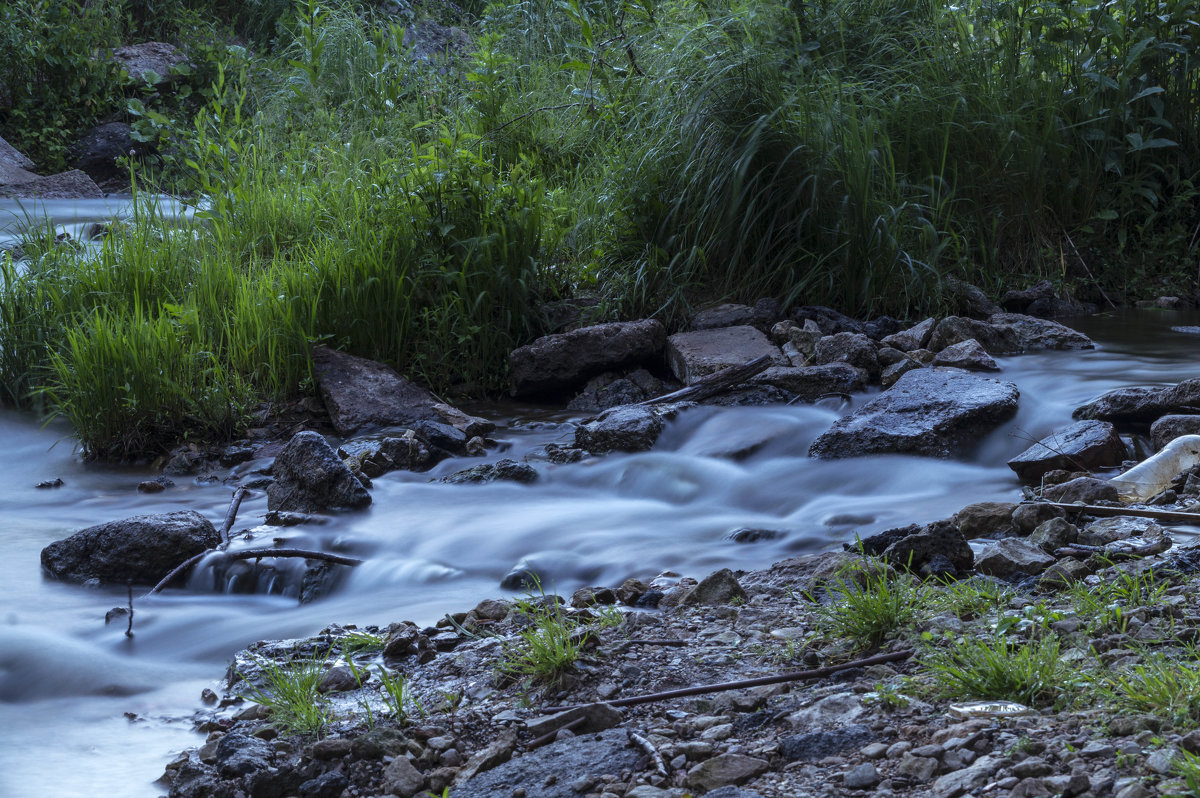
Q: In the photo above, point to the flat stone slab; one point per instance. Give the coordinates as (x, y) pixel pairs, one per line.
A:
(1142, 404)
(1083, 446)
(563, 362)
(362, 394)
(566, 761)
(811, 382)
(692, 355)
(932, 412)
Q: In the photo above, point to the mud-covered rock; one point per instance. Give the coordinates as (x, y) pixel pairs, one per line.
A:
(556, 364)
(1084, 445)
(142, 549)
(931, 412)
(310, 478)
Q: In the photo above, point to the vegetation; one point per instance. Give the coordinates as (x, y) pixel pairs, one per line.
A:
(419, 210)
(1029, 673)
(290, 692)
(876, 606)
(546, 646)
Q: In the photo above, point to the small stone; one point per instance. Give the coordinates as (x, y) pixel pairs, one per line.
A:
(719, 587)
(342, 679)
(1032, 767)
(725, 769)
(50, 483)
(920, 768)
(331, 748)
(861, 776)
(402, 778)
(1161, 761)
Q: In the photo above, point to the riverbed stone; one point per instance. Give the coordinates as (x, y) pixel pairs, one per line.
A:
(956, 329)
(402, 778)
(915, 337)
(72, 184)
(827, 320)
(1170, 427)
(932, 412)
(735, 769)
(761, 315)
(811, 382)
(892, 374)
(506, 470)
(1032, 333)
(967, 355)
(628, 428)
(914, 547)
(817, 745)
(1088, 490)
(984, 518)
(1084, 445)
(1123, 527)
(1143, 404)
(1054, 534)
(240, 754)
(551, 769)
(142, 549)
(854, 349)
(1010, 555)
(362, 394)
(719, 587)
(309, 478)
(693, 355)
(1028, 516)
(559, 363)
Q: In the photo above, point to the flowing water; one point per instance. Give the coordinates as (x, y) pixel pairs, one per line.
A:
(84, 711)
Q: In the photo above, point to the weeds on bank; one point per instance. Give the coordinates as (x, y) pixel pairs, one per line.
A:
(868, 610)
(1105, 605)
(996, 668)
(398, 696)
(1167, 687)
(290, 692)
(1186, 766)
(547, 646)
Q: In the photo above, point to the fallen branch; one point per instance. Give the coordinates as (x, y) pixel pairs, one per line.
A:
(716, 383)
(258, 554)
(231, 515)
(549, 737)
(177, 570)
(651, 751)
(1170, 516)
(794, 676)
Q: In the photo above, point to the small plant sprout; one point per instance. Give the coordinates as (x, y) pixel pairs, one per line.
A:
(398, 697)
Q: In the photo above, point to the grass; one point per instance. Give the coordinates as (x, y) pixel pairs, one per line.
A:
(1167, 687)
(546, 647)
(290, 692)
(869, 611)
(397, 696)
(996, 668)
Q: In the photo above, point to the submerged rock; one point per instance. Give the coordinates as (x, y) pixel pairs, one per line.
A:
(556, 364)
(1084, 445)
(142, 549)
(931, 412)
(309, 478)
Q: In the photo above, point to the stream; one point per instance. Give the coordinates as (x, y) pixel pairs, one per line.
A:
(84, 711)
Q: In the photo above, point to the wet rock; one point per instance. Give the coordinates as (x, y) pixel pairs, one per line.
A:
(915, 337)
(984, 518)
(861, 777)
(1088, 490)
(1018, 300)
(809, 574)
(820, 744)
(240, 754)
(594, 717)
(563, 362)
(913, 547)
(725, 769)
(149, 62)
(931, 412)
(1010, 555)
(1132, 405)
(1054, 534)
(401, 778)
(631, 590)
(969, 299)
(142, 549)
(892, 374)
(854, 349)
(401, 642)
(1027, 517)
(506, 470)
(956, 329)
(99, 153)
(967, 355)
(47, 484)
(968, 779)
(374, 458)
(592, 596)
(330, 748)
(719, 587)
(811, 382)
(612, 390)
(448, 438)
(493, 609)
(1085, 445)
(549, 772)
(309, 478)
(827, 320)
(342, 679)
(762, 315)
(378, 743)
(746, 535)
(1110, 530)
(692, 355)
(362, 394)
(629, 428)
(73, 184)
(1031, 333)
(1168, 428)
(327, 785)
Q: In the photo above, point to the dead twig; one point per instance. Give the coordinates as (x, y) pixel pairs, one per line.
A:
(659, 764)
(794, 676)
(259, 554)
(716, 383)
(231, 515)
(129, 628)
(1114, 551)
(549, 737)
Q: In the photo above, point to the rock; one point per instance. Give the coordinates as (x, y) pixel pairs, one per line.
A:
(920, 769)
(327, 785)
(629, 428)
(820, 744)
(563, 362)
(142, 549)
(762, 316)
(968, 298)
(378, 743)
(331, 748)
(1027, 517)
(892, 374)
(854, 349)
(401, 642)
(240, 754)
(15, 167)
(956, 329)
(719, 587)
(506, 470)
(430, 41)
(839, 709)
(747, 535)
(140, 60)
(967, 355)
(1085, 445)
(362, 394)
(448, 438)
(374, 458)
(1010, 555)
(809, 574)
(593, 596)
(860, 777)
(913, 547)
(967, 780)
(1110, 530)
(549, 771)
(100, 151)
(309, 478)
(931, 412)
(1054, 534)
(812, 382)
(1032, 333)
(468, 425)
(73, 184)
(342, 679)
(611, 390)
(1088, 490)
(1168, 428)
(984, 518)
(725, 769)
(827, 320)
(692, 355)
(595, 717)
(915, 337)
(1134, 405)
(401, 778)
(1017, 301)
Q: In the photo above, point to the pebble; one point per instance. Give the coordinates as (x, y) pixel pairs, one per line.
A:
(861, 776)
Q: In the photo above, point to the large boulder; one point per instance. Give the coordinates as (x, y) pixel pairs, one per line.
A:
(142, 549)
(1168, 428)
(149, 62)
(100, 151)
(933, 412)
(17, 179)
(956, 329)
(563, 362)
(1083, 446)
(1133, 405)
(361, 394)
(14, 166)
(1032, 333)
(310, 478)
(1012, 555)
(692, 355)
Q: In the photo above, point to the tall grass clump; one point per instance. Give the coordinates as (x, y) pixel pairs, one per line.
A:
(869, 607)
(996, 668)
(290, 692)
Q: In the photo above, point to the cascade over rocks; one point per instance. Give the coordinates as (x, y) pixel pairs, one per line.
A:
(142, 549)
(933, 412)
(310, 478)
(1085, 445)
(556, 364)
